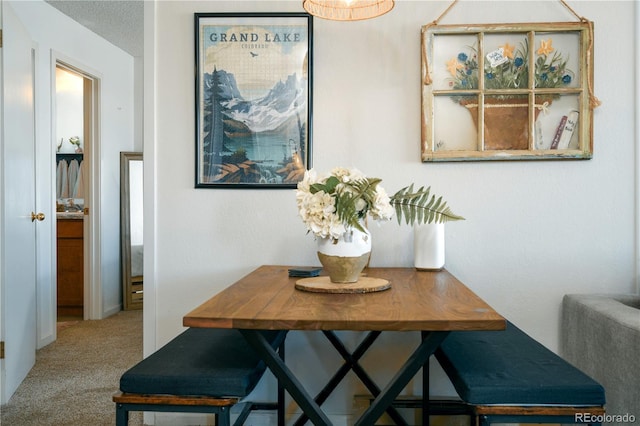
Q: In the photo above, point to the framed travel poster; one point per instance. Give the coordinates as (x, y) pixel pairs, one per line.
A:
(253, 99)
(507, 92)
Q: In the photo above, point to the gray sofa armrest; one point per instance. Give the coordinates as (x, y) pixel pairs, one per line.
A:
(600, 334)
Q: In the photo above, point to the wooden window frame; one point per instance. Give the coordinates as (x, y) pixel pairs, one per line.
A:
(538, 143)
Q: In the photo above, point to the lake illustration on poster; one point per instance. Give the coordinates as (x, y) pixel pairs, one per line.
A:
(253, 99)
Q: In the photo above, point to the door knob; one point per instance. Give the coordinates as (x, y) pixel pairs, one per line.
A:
(37, 216)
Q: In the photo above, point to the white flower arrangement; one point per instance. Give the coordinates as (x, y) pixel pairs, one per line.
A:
(330, 205)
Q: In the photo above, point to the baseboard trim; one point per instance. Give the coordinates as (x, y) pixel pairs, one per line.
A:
(111, 311)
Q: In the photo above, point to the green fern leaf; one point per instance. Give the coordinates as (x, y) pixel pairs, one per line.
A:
(421, 207)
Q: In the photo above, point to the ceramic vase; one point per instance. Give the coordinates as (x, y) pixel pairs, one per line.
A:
(345, 258)
(428, 246)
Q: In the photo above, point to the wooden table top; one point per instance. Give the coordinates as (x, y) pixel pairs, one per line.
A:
(426, 301)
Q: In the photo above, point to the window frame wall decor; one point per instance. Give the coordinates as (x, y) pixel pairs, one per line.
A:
(253, 77)
(481, 102)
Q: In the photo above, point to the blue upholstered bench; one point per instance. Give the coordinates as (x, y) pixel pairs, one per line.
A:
(508, 377)
(201, 370)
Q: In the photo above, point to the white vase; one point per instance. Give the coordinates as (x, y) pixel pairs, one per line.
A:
(428, 246)
(344, 259)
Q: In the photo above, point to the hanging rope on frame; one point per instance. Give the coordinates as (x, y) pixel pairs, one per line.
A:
(594, 102)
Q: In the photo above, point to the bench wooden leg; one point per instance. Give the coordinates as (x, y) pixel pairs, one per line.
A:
(220, 407)
(487, 420)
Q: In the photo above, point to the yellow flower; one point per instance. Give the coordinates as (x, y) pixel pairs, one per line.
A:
(545, 47)
(453, 66)
(507, 50)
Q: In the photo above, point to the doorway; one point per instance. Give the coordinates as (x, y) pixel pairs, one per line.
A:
(74, 124)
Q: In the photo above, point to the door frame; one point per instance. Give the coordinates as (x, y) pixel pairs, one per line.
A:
(2, 397)
(92, 263)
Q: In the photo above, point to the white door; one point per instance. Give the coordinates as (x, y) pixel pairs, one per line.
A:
(18, 260)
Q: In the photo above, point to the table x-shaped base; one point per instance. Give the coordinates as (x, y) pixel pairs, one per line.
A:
(384, 398)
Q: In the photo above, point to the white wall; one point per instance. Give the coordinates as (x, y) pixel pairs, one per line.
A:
(534, 230)
(56, 36)
(69, 101)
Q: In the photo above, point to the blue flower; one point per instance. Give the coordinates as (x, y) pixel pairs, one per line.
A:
(490, 75)
(462, 57)
(544, 76)
(469, 71)
(518, 62)
(566, 79)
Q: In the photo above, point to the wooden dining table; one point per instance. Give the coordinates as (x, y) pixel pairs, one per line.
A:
(434, 303)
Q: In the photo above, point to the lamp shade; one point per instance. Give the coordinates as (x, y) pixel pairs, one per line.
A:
(347, 10)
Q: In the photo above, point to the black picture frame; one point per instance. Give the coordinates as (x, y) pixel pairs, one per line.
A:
(253, 99)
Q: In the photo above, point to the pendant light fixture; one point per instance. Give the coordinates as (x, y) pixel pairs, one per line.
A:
(347, 10)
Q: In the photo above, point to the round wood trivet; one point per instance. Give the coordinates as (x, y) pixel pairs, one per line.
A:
(324, 285)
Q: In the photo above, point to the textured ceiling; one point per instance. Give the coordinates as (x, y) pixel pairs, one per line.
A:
(117, 21)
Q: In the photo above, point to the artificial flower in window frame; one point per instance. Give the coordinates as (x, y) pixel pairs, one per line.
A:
(507, 91)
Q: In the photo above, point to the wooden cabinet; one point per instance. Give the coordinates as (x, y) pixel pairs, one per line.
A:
(70, 249)
(134, 294)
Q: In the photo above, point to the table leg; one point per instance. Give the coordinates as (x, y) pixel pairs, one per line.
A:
(351, 364)
(420, 357)
(286, 377)
(425, 387)
(351, 361)
(281, 407)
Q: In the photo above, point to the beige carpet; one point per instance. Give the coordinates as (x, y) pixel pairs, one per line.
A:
(75, 377)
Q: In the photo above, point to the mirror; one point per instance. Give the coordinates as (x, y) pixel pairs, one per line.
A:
(131, 231)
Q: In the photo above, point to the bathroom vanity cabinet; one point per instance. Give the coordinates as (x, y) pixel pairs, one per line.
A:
(70, 275)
